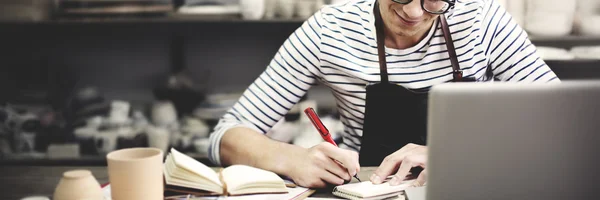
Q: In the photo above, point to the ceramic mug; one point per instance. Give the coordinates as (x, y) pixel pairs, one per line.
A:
(285, 8)
(76, 185)
(119, 112)
(270, 7)
(136, 173)
(106, 141)
(164, 113)
(548, 24)
(252, 9)
(517, 8)
(588, 7)
(158, 137)
(305, 8)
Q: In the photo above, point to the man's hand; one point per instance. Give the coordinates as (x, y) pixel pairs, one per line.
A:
(317, 166)
(399, 164)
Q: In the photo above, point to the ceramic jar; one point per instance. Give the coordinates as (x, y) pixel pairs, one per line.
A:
(164, 113)
(77, 185)
(285, 9)
(252, 9)
(550, 18)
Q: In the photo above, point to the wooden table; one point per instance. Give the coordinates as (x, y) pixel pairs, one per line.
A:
(17, 182)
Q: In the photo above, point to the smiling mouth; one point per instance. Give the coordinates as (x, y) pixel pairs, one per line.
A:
(406, 22)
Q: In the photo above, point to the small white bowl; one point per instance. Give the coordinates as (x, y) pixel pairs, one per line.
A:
(590, 25)
(588, 7)
(549, 24)
(36, 198)
(552, 53)
(552, 6)
(586, 52)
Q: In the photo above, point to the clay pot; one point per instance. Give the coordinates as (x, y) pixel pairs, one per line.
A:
(136, 173)
(76, 185)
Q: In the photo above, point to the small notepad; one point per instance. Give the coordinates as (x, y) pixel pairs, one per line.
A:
(367, 190)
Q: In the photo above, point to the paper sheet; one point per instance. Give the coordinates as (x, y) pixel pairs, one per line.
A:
(106, 192)
(368, 189)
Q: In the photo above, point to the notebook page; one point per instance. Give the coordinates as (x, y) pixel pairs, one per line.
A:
(367, 189)
(293, 194)
(188, 163)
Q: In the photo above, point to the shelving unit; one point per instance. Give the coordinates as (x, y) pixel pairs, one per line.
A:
(126, 57)
(171, 18)
(567, 41)
(40, 160)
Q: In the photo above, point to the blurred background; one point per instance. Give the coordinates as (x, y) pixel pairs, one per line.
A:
(81, 78)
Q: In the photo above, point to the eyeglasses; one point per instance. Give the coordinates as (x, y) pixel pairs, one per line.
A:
(432, 6)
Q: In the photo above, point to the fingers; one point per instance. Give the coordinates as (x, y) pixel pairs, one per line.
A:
(390, 164)
(349, 159)
(403, 170)
(337, 169)
(331, 178)
(315, 184)
(421, 180)
(408, 163)
(387, 167)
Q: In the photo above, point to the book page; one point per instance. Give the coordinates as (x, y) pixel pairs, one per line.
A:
(293, 193)
(194, 166)
(241, 179)
(183, 178)
(367, 189)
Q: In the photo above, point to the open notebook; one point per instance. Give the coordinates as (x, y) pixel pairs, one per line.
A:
(183, 174)
(367, 190)
(296, 193)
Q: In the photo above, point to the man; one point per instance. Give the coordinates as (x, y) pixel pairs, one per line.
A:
(381, 103)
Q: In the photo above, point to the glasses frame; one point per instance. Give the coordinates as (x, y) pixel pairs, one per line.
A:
(450, 2)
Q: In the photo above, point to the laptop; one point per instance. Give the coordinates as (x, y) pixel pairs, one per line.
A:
(512, 141)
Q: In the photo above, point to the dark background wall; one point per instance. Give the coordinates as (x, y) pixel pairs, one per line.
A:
(127, 59)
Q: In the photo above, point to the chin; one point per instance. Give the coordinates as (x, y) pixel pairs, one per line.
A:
(403, 32)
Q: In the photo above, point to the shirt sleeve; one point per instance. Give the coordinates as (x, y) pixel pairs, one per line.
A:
(512, 55)
(291, 72)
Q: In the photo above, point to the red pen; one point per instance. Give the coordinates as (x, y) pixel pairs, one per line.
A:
(314, 118)
(323, 131)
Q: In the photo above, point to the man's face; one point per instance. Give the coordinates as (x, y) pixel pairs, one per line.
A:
(406, 20)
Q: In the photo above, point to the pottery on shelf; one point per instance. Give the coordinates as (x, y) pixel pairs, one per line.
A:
(253, 9)
(164, 113)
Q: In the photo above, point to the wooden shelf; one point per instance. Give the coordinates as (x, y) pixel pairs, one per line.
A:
(41, 160)
(171, 18)
(565, 38)
(566, 41)
(585, 62)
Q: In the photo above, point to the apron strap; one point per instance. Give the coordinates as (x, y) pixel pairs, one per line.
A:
(456, 72)
(380, 43)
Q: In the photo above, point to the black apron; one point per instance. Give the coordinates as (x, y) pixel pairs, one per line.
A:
(396, 116)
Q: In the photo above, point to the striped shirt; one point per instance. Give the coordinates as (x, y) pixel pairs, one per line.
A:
(337, 48)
